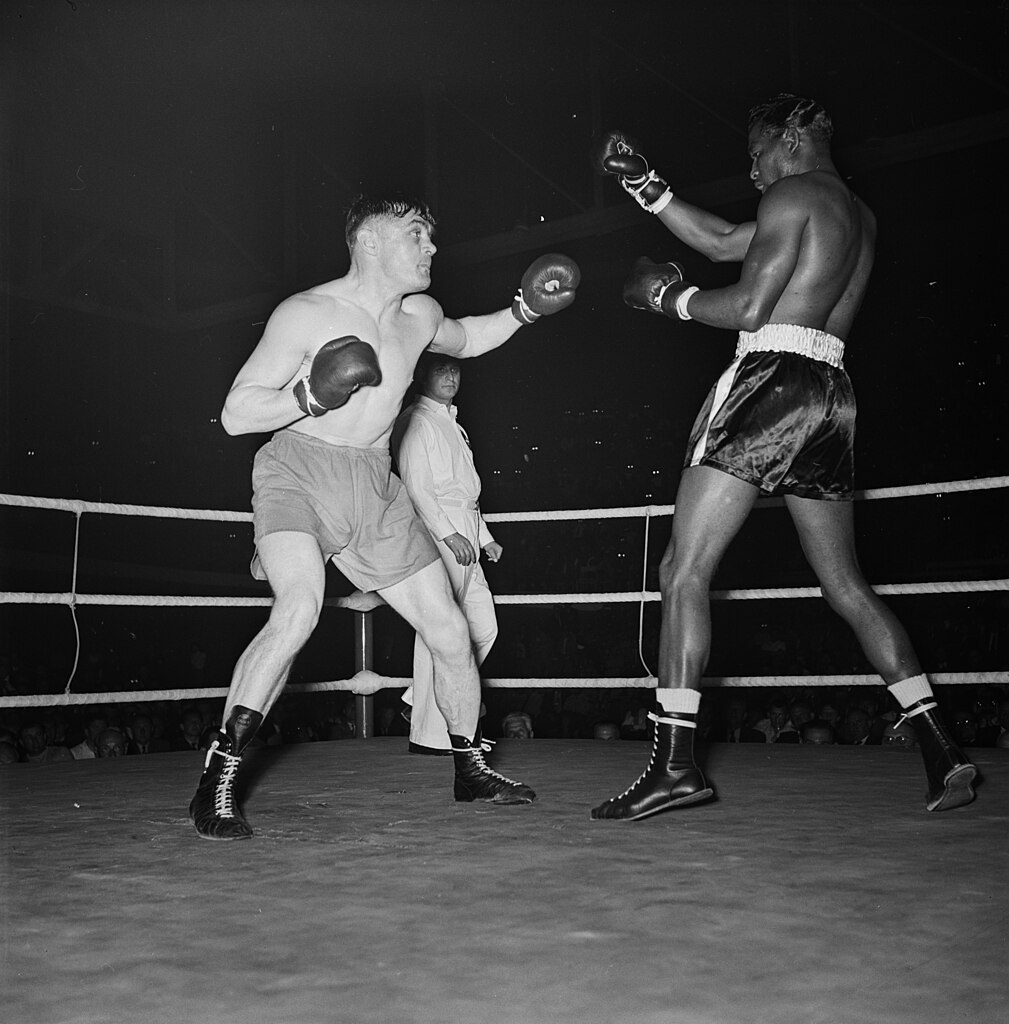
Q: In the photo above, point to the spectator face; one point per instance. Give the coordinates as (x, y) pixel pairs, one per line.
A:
(800, 713)
(192, 725)
(1003, 714)
(142, 730)
(830, 715)
(95, 727)
(735, 713)
(818, 734)
(964, 728)
(899, 736)
(33, 740)
(8, 753)
(856, 725)
(778, 716)
(606, 731)
(111, 743)
(517, 727)
(54, 731)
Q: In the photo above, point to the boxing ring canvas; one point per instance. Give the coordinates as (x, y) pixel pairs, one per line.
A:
(815, 889)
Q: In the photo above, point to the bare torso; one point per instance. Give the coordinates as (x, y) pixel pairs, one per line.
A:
(834, 256)
(306, 321)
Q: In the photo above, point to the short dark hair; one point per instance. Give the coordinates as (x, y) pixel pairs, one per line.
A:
(364, 207)
(786, 110)
(428, 363)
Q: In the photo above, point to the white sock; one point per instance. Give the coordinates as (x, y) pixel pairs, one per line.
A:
(686, 702)
(910, 691)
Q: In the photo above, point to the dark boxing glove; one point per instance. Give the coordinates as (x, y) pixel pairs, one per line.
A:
(548, 286)
(658, 288)
(617, 154)
(339, 368)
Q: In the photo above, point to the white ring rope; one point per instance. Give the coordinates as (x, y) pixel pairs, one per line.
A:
(107, 508)
(366, 681)
(620, 597)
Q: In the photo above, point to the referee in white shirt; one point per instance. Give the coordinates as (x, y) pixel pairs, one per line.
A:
(435, 463)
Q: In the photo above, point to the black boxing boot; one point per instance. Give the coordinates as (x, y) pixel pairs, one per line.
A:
(950, 775)
(474, 780)
(671, 779)
(213, 808)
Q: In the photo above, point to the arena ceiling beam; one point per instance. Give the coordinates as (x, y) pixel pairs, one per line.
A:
(147, 294)
(860, 159)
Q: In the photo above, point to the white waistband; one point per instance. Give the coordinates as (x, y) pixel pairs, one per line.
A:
(469, 504)
(803, 341)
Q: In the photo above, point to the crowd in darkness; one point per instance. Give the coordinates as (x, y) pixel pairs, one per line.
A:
(855, 715)
(542, 643)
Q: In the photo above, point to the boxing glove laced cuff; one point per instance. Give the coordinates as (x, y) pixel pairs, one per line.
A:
(637, 186)
(521, 310)
(307, 402)
(681, 302)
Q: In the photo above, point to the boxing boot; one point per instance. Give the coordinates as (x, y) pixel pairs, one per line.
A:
(950, 775)
(475, 780)
(213, 809)
(671, 779)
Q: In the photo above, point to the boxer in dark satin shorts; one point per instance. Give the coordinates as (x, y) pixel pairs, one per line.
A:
(781, 416)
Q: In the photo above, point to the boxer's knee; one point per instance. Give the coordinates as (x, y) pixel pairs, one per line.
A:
(446, 633)
(295, 614)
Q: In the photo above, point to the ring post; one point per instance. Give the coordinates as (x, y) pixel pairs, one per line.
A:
(364, 704)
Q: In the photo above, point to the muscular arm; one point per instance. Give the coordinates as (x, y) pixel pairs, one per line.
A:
(712, 236)
(261, 398)
(474, 335)
(769, 264)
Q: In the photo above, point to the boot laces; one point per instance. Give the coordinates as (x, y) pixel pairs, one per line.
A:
(648, 767)
(477, 757)
(915, 711)
(655, 746)
(224, 797)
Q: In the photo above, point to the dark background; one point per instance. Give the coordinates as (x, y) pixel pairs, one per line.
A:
(173, 169)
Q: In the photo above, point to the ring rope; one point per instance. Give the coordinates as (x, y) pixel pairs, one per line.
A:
(109, 508)
(620, 597)
(366, 681)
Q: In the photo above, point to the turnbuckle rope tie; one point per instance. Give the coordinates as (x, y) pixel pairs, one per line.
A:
(641, 608)
(73, 601)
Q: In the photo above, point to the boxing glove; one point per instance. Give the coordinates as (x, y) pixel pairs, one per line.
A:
(339, 368)
(615, 153)
(547, 286)
(656, 287)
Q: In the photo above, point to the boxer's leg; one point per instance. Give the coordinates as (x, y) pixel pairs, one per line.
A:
(711, 506)
(826, 532)
(293, 565)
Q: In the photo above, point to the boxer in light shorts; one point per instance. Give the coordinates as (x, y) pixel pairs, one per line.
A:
(348, 499)
(327, 379)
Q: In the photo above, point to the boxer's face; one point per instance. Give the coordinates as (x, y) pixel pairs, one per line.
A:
(768, 158)
(407, 249)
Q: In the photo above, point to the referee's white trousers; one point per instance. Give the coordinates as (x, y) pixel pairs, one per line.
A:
(427, 726)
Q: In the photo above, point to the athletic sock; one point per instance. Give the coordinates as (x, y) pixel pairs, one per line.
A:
(685, 702)
(910, 691)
